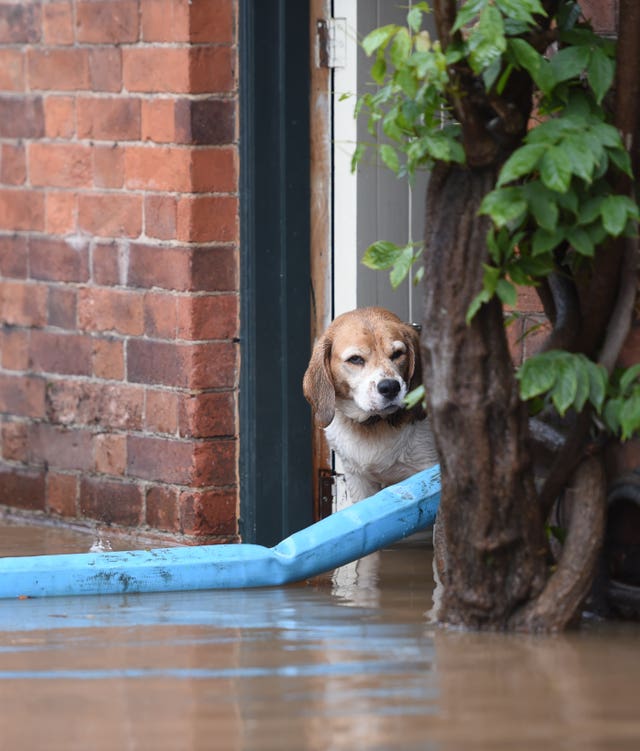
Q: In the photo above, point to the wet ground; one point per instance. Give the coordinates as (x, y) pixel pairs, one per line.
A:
(346, 661)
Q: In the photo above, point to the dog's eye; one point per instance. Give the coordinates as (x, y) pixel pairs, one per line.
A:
(395, 355)
(356, 360)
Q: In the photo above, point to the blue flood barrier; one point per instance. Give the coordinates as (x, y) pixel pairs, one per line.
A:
(349, 534)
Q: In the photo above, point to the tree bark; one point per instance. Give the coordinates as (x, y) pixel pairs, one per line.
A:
(492, 559)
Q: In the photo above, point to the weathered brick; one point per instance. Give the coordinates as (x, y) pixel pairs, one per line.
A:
(535, 332)
(13, 164)
(108, 358)
(163, 266)
(160, 212)
(105, 69)
(214, 170)
(19, 22)
(58, 69)
(14, 350)
(21, 116)
(110, 214)
(210, 122)
(111, 119)
(21, 210)
(109, 310)
(14, 441)
(161, 411)
(63, 165)
(58, 260)
(212, 22)
(160, 459)
(107, 21)
(107, 263)
(82, 403)
(212, 512)
(57, 22)
(215, 463)
(158, 120)
(23, 304)
(13, 256)
(12, 69)
(208, 317)
(212, 70)
(60, 212)
(215, 269)
(151, 69)
(199, 21)
(62, 493)
(162, 508)
(158, 168)
(204, 219)
(22, 395)
(60, 448)
(23, 488)
(59, 116)
(111, 502)
(110, 454)
(160, 315)
(208, 415)
(60, 352)
(108, 166)
(602, 15)
(62, 307)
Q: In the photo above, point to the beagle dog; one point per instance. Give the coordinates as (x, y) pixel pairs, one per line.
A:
(360, 371)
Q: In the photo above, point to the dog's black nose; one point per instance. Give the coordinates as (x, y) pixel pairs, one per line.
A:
(389, 388)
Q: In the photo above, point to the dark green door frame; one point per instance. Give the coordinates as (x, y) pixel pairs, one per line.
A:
(275, 425)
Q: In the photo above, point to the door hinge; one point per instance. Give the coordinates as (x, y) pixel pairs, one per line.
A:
(326, 491)
(332, 42)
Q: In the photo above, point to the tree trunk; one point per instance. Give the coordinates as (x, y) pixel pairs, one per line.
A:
(492, 559)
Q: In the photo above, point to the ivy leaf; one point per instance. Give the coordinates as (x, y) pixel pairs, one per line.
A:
(537, 67)
(555, 169)
(582, 162)
(597, 384)
(390, 157)
(358, 153)
(467, 13)
(521, 10)
(614, 214)
(400, 47)
(507, 293)
(482, 297)
(565, 387)
(504, 205)
(581, 241)
(622, 160)
(546, 240)
(630, 416)
(628, 377)
(542, 205)
(378, 38)
(536, 376)
(569, 63)
(414, 19)
(600, 73)
(379, 69)
(521, 162)
(381, 255)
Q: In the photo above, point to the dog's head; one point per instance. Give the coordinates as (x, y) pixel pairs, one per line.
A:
(364, 365)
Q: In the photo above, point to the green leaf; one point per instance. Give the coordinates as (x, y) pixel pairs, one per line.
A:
(402, 266)
(529, 59)
(507, 293)
(358, 153)
(565, 387)
(629, 376)
(390, 157)
(581, 241)
(414, 19)
(521, 162)
(504, 205)
(614, 214)
(379, 69)
(545, 240)
(482, 297)
(630, 416)
(582, 377)
(378, 38)
(415, 396)
(555, 169)
(569, 63)
(622, 160)
(582, 162)
(467, 13)
(536, 376)
(521, 10)
(542, 205)
(597, 384)
(381, 255)
(611, 414)
(400, 47)
(600, 73)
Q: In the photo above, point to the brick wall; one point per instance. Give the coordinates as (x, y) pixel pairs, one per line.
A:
(119, 261)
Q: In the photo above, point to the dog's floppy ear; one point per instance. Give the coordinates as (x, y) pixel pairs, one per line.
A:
(317, 385)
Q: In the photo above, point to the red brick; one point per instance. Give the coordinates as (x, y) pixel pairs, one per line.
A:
(536, 330)
(21, 116)
(58, 260)
(212, 22)
(110, 215)
(165, 20)
(62, 307)
(195, 366)
(158, 168)
(215, 463)
(111, 119)
(602, 15)
(213, 512)
(20, 22)
(215, 269)
(21, 210)
(161, 411)
(107, 262)
(105, 69)
(57, 23)
(151, 69)
(58, 69)
(160, 315)
(214, 170)
(209, 415)
(60, 352)
(212, 70)
(60, 448)
(160, 459)
(22, 488)
(104, 309)
(60, 212)
(12, 70)
(160, 213)
(157, 118)
(108, 166)
(13, 256)
(108, 359)
(14, 351)
(14, 441)
(163, 266)
(209, 122)
(107, 21)
(111, 502)
(208, 317)
(22, 395)
(111, 406)
(23, 304)
(63, 165)
(62, 494)
(207, 219)
(110, 454)
(13, 164)
(59, 116)
(162, 508)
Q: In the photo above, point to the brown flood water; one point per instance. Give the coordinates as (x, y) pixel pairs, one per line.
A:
(346, 661)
